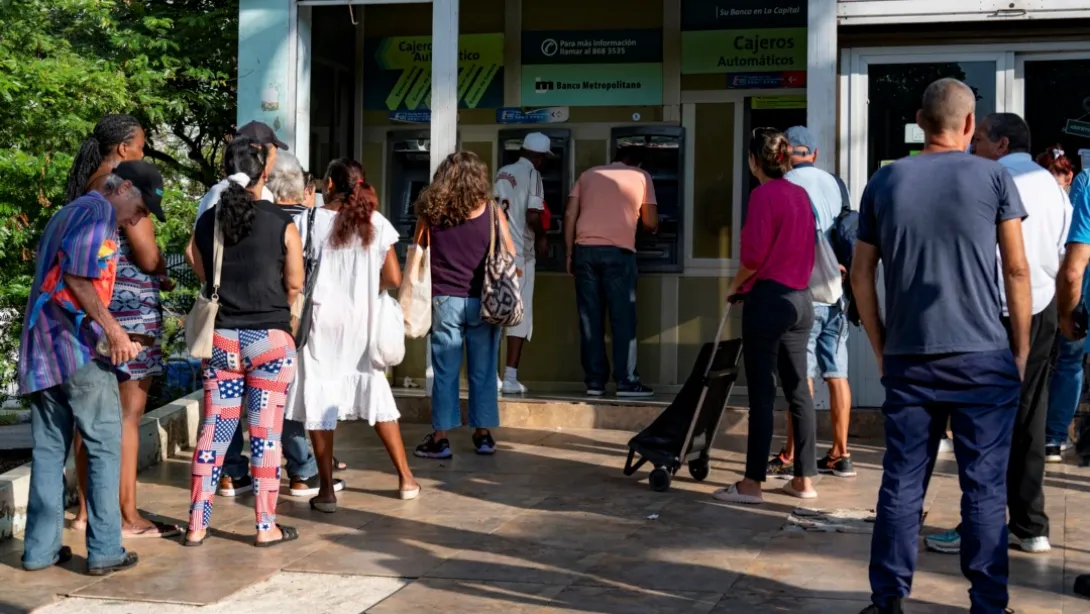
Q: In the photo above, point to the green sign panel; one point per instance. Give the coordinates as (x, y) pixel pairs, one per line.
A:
(735, 51)
(1076, 127)
(592, 85)
(398, 72)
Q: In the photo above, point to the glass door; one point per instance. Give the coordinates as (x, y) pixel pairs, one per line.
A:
(886, 91)
(1055, 97)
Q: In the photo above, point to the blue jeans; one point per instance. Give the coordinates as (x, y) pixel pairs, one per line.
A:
(300, 462)
(456, 322)
(89, 402)
(827, 351)
(605, 279)
(1065, 389)
(978, 393)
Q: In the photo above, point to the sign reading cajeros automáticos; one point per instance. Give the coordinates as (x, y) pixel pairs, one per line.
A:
(737, 36)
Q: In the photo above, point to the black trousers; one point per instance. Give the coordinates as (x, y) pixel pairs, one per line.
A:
(776, 322)
(1026, 471)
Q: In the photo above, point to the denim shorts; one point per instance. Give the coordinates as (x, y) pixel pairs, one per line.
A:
(827, 352)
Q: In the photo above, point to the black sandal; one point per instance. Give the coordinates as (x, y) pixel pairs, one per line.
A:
(338, 465)
(288, 534)
(193, 543)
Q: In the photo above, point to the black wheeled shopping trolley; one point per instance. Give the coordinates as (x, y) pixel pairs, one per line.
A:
(685, 431)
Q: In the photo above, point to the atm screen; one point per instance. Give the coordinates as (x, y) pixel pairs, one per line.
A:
(415, 188)
(666, 195)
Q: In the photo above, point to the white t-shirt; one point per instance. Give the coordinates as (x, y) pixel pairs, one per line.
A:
(213, 196)
(518, 189)
(1044, 231)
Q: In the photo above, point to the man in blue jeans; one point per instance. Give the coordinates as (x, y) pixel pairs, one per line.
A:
(1070, 293)
(68, 342)
(943, 351)
(605, 206)
(1067, 384)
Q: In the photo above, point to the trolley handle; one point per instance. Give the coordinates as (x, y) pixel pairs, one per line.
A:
(731, 300)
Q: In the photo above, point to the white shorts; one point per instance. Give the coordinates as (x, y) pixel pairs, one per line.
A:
(525, 328)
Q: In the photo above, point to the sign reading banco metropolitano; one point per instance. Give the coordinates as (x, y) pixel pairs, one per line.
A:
(591, 68)
(397, 72)
(739, 36)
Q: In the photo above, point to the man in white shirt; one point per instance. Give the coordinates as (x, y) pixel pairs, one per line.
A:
(519, 192)
(264, 136)
(1004, 137)
(827, 351)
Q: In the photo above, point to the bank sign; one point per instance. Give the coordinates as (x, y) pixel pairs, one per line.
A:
(740, 36)
(591, 68)
(397, 72)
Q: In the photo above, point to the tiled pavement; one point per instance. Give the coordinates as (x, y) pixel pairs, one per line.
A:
(548, 525)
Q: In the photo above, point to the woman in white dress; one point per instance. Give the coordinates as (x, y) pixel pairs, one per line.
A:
(335, 379)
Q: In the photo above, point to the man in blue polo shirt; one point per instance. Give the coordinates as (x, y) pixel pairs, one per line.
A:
(934, 219)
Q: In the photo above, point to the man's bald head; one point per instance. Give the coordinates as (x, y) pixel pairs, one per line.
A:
(947, 106)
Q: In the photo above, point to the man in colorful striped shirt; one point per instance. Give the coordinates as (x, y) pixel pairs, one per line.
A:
(68, 340)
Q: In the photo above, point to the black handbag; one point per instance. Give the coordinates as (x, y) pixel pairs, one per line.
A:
(312, 260)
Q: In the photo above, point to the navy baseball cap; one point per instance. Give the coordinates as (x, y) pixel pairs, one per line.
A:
(146, 178)
(262, 134)
(802, 141)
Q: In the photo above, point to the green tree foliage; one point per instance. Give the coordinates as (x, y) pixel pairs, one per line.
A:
(66, 63)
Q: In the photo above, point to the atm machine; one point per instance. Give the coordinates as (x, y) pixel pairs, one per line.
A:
(408, 172)
(556, 181)
(663, 156)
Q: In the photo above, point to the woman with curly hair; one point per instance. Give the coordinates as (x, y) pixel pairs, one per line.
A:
(453, 219)
(337, 379)
(253, 355)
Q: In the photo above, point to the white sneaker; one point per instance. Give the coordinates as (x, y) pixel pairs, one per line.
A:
(513, 387)
(1034, 545)
(946, 446)
(1066, 445)
(499, 384)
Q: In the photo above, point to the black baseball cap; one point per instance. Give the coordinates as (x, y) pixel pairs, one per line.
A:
(147, 179)
(262, 134)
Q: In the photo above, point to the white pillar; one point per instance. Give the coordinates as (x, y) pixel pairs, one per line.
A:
(821, 87)
(444, 99)
(444, 80)
(302, 88)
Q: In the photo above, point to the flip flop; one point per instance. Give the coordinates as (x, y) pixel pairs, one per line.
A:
(193, 543)
(289, 534)
(157, 529)
(323, 506)
(799, 494)
(409, 493)
(730, 494)
(338, 465)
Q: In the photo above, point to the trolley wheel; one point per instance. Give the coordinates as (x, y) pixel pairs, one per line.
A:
(660, 479)
(699, 470)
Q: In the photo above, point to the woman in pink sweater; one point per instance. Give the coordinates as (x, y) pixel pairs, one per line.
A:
(778, 242)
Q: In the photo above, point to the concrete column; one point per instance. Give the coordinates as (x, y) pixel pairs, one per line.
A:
(267, 72)
(821, 87)
(512, 53)
(444, 80)
(303, 61)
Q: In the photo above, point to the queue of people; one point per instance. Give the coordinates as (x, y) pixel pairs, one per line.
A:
(955, 346)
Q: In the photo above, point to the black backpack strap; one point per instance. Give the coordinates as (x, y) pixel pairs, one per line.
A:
(845, 200)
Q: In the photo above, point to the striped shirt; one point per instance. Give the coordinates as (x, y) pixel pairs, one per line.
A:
(57, 341)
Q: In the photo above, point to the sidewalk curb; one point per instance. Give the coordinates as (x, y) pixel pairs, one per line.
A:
(163, 432)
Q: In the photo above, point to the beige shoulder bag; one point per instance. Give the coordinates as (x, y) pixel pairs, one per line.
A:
(415, 293)
(200, 324)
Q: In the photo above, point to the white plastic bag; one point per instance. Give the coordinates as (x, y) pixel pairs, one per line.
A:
(826, 283)
(387, 333)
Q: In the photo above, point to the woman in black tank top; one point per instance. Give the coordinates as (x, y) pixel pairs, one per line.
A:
(454, 221)
(253, 357)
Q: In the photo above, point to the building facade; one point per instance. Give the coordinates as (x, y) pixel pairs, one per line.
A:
(398, 85)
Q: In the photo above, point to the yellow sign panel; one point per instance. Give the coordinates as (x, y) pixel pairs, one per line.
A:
(779, 102)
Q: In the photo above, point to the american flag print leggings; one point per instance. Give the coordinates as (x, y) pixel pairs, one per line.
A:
(249, 369)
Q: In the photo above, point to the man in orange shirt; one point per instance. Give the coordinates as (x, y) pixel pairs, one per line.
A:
(604, 208)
